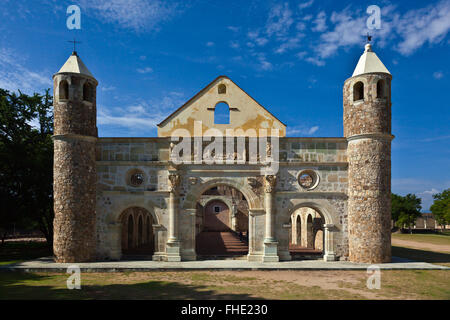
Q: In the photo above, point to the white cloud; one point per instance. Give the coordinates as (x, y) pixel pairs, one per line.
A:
(138, 15)
(301, 130)
(233, 28)
(145, 70)
(15, 75)
(426, 25)
(210, 44)
(141, 117)
(320, 22)
(438, 75)
(305, 5)
(234, 44)
(107, 88)
(291, 43)
(279, 20)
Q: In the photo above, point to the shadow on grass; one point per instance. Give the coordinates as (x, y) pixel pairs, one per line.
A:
(16, 285)
(420, 255)
(23, 250)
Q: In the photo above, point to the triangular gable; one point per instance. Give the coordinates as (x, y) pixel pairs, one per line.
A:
(245, 112)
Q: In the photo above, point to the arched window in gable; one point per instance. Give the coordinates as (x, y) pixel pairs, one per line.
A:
(222, 113)
(222, 89)
(358, 91)
(64, 90)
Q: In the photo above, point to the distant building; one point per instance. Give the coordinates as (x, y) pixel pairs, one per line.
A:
(427, 221)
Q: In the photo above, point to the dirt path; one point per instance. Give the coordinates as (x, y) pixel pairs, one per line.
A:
(421, 245)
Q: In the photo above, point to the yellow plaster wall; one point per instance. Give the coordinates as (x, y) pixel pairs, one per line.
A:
(250, 114)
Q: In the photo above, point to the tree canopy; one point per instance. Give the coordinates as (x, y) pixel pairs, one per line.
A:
(405, 210)
(441, 207)
(26, 162)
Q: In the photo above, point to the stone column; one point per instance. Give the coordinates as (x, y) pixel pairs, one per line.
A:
(188, 234)
(329, 254)
(270, 243)
(173, 244)
(233, 217)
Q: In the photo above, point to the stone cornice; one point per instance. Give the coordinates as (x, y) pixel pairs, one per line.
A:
(71, 137)
(378, 136)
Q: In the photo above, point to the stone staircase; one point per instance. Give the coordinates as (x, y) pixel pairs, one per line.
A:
(220, 245)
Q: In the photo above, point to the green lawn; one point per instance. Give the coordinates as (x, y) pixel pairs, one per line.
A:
(440, 239)
(239, 285)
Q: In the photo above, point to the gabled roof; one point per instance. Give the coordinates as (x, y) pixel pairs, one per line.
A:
(75, 65)
(205, 89)
(369, 63)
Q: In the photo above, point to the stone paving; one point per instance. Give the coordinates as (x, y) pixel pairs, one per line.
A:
(48, 265)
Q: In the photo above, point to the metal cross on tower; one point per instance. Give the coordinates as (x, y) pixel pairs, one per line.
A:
(74, 45)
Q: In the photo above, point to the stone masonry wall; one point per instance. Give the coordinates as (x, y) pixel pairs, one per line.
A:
(367, 126)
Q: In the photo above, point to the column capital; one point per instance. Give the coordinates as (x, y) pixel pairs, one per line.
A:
(270, 182)
(174, 182)
(328, 225)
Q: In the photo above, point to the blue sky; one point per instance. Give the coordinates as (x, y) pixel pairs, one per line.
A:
(292, 56)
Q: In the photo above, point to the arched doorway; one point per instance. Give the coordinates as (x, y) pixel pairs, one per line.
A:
(137, 233)
(307, 240)
(221, 223)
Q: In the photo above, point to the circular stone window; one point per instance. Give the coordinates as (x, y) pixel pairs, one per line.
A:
(308, 179)
(135, 178)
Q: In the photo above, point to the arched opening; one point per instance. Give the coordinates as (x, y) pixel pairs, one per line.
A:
(63, 90)
(380, 89)
(221, 113)
(309, 231)
(298, 230)
(358, 91)
(130, 235)
(221, 223)
(87, 92)
(222, 89)
(148, 229)
(140, 231)
(137, 233)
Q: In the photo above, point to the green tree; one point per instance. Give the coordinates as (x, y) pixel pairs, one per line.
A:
(441, 207)
(405, 210)
(26, 162)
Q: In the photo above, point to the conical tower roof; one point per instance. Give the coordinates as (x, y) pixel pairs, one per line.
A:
(75, 65)
(369, 63)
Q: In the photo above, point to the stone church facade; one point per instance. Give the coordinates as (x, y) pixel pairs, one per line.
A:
(116, 197)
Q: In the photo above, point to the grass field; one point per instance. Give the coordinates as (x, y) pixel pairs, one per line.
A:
(439, 239)
(432, 248)
(239, 285)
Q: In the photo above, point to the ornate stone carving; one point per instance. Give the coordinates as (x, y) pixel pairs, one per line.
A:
(270, 182)
(174, 182)
(252, 182)
(268, 149)
(193, 180)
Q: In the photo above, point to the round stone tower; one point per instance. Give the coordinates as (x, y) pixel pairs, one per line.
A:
(74, 172)
(367, 127)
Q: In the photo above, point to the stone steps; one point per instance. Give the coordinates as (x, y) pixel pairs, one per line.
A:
(220, 244)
